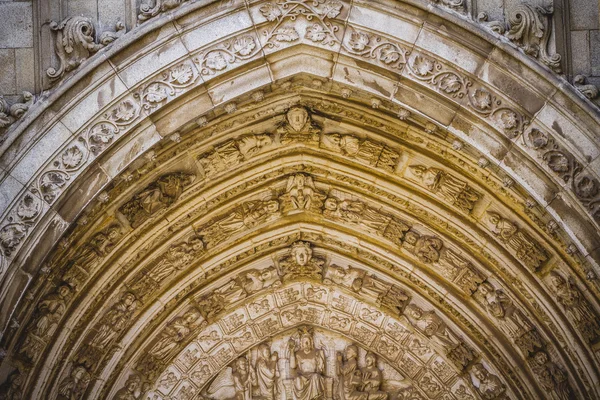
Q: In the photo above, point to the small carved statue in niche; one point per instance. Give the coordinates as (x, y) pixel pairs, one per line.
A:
(368, 151)
(525, 247)
(453, 190)
(246, 216)
(372, 378)
(175, 259)
(11, 389)
(133, 389)
(51, 309)
(301, 263)
(158, 195)
(301, 194)
(426, 248)
(174, 333)
(576, 306)
(267, 374)
(488, 385)
(74, 385)
(551, 376)
(308, 365)
(114, 321)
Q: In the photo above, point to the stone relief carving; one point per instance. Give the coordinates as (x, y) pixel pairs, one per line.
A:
(511, 320)
(158, 195)
(246, 216)
(364, 150)
(238, 49)
(551, 376)
(76, 42)
(375, 47)
(530, 28)
(523, 246)
(298, 126)
(302, 194)
(151, 8)
(432, 326)
(560, 161)
(11, 389)
(20, 220)
(9, 114)
(588, 90)
(578, 309)
(134, 389)
(429, 70)
(455, 191)
(301, 263)
(360, 214)
(488, 385)
(73, 386)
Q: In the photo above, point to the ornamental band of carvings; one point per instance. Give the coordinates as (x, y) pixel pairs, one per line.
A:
(76, 42)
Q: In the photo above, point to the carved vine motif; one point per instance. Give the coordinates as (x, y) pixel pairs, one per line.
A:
(235, 50)
(530, 28)
(457, 5)
(151, 8)
(76, 42)
(9, 114)
(429, 70)
(523, 246)
(585, 187)
(20, 220)
(485, 103)
(318, 12)
(157, 196)
(377, 48)
(170, 83)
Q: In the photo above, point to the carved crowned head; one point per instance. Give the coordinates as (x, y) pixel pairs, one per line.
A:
(301, 252)
(297, 118)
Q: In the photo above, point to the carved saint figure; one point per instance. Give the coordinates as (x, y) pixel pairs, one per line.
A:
(133, 389)
(267, 373)
(489, 386)
(255, 280)
(248, 215)
(158, 195)
(349, 375)
(114, 321)
(453, 190)
(242, 379)
(576, 306)
(175, 259)
(174, 333)
(301, 263)
(308, 365)
(301, 193)
(551, 376)
(368, 151)
(11, 389)
(526, 248)
(50, 309)
(73, 387)
(220, 298)
(372, 378)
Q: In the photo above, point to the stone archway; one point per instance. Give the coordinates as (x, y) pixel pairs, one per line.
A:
(397, 139)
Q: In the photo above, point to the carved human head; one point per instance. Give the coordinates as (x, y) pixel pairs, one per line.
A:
(264, 351)
(485, 288)
(414, 311)
(480, 372)
(370, 359)
(133, 383)
(297, 118)
(241, 364)
(191, 316)
(540, 358)
(302, 253)
(113, 233)
(351, 352)
(272, 206)
(331, 204)
(64, 291)
(128, 298)
(556, 280)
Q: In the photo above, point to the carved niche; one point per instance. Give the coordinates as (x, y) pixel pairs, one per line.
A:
(455, 191)
(157, 196)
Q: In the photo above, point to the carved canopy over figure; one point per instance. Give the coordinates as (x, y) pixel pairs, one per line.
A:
(308, 364)
(577, 307)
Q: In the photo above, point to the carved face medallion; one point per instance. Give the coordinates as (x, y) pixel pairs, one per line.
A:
(297, 118)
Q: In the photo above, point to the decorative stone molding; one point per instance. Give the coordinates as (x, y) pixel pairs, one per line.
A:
(151, 8)
(9, 114)
(76, 42)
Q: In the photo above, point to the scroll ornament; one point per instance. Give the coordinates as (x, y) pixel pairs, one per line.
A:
(9, 114)
(76, 42)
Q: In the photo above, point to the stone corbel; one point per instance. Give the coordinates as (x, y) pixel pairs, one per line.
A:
(76, 42)
(529, 27)
(9, 114)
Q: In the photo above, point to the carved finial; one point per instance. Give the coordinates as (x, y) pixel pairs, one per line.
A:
(76, 42)
(530, 28)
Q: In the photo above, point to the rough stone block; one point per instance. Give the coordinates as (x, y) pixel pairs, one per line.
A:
(580, 50)
(583, 14)
(7, 72)
(16, 28)
(595, 52)
(24, 66)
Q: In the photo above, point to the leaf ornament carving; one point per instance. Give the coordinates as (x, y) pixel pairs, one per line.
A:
(172, 81)
(487, 104)
(429, 70)
(151, 8)
(10, 113)
(375, 47)
(317, 12)
(76, 42)
(238, 49)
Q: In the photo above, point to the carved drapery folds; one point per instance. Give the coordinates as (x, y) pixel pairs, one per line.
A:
(157, 196)
(364, 150)
(455, 191)
(76, 42)
(521, 244)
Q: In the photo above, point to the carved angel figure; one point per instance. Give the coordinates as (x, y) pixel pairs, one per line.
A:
(453, 190)
(350, 278)
(73, 386)
(368, 151)
(576, 306)
(301, 194)
(489, 386)
(11, 389)
(308, 366)
(175, 259)
(255, 280)
(298, 127)
(101, 244)
(173, 334)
